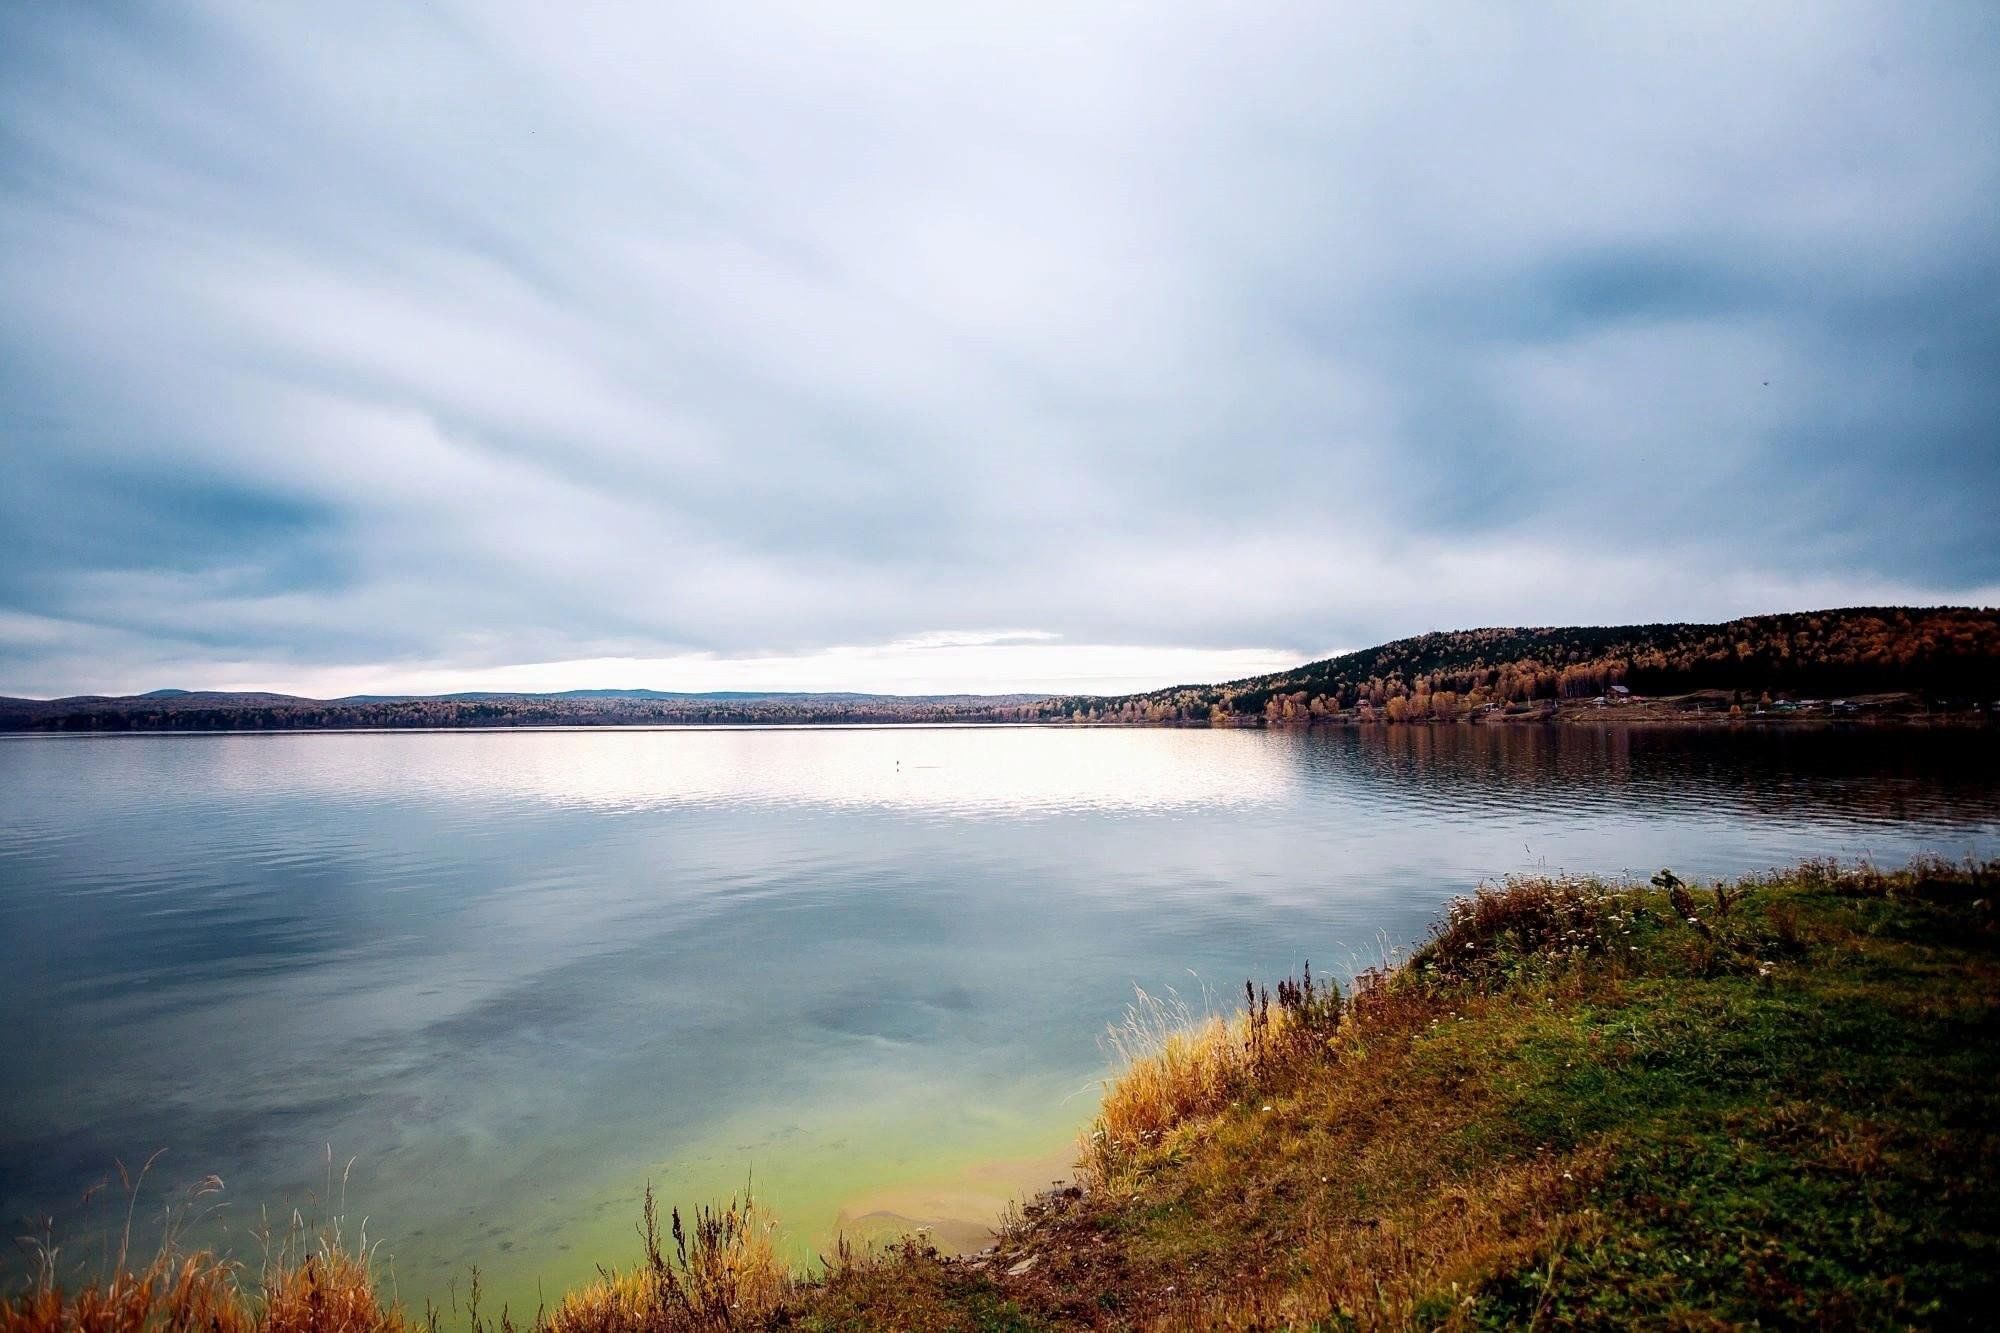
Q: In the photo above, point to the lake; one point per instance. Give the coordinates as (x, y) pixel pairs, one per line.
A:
(514, 976)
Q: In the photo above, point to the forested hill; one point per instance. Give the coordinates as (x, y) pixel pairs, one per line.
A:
(1945, 657)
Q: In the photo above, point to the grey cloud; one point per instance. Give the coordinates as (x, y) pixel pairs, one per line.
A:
(488, 333)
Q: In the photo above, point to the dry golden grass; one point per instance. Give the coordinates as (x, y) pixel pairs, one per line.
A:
(1387, 1275)
(723, 1273)
(325, 1291)
(196, 1292)
(309, 1281)
(1174, 1067)
(330, 1291)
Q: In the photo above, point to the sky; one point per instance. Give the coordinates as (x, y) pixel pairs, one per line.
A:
(927, 348)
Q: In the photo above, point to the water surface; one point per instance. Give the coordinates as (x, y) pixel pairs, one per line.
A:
(516, 975)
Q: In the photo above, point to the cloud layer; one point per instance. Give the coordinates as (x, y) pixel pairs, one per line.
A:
(368, 341)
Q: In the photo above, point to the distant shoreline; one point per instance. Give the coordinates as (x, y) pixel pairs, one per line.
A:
(1970, 720)
(1867, 665)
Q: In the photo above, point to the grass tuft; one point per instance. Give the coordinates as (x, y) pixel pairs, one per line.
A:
(306, 1284)
(721, 1273)
(1174, 1066)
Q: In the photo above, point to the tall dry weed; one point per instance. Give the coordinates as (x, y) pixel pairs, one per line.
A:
(309, 1280)
(1174, 1066)
(722, 1273)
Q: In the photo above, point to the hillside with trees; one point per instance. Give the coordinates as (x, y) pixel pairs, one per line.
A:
(1845, 661)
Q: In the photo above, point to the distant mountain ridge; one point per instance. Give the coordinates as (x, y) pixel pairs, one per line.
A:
(1901, 659)
(222, 710)
(234, 697)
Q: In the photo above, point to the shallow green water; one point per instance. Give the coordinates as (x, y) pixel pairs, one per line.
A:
(515, 976)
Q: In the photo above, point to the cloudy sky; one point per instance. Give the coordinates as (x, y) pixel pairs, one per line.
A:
(357, 347)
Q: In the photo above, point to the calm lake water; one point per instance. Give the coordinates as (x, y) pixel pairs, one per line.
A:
(517, 975)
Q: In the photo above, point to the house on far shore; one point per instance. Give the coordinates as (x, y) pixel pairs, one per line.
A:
(1619, 694)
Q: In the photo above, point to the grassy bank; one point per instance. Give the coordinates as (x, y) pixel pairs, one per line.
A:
(1579, 1104)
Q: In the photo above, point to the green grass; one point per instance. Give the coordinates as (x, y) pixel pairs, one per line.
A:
(1580, 1105)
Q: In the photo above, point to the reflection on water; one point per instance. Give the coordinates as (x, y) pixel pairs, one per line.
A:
(519, 974)
(1012, 771)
